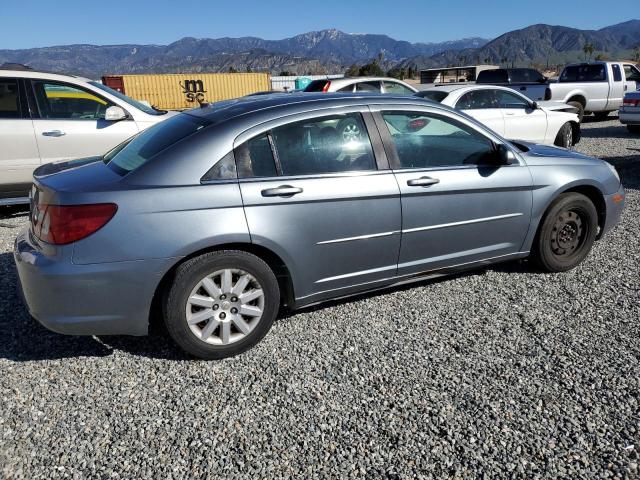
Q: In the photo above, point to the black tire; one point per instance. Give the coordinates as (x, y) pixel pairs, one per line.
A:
(633, 128)
(580, 108)
(570, 226)
(564, 138)
(601, 115)
(190, 273)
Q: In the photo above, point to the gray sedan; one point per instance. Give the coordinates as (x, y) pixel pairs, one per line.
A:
(224, 214)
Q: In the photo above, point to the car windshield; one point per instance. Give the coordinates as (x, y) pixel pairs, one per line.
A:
(139, 149)
(433, 95)
(134, 103)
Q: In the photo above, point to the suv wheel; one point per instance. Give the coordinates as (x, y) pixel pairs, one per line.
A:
(566, 234)
(221, 304)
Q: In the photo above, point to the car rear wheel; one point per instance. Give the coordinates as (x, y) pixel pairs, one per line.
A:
(221, 304)
(565, 136)
(580, 109)
(566, 234)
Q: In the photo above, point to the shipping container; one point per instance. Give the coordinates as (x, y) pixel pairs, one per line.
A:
(180, 91)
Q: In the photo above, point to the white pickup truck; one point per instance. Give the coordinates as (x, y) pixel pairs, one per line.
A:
(595, 87)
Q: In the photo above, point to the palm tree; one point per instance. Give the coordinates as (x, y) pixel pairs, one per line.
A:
(588, 50)
(636, 53)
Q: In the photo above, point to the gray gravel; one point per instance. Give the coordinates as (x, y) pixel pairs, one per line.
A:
(497, 373)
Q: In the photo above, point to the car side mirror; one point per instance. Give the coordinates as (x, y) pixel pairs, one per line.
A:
(506, 156)
(114, 113)
(534, 105)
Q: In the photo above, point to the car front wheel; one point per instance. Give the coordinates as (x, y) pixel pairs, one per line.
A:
(565, 136)
(221, 303)
(566, 234)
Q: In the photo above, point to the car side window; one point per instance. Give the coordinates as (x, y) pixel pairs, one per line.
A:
(631, 73)
(477, 99)
(62, 101)
(254, 158)
(617, 74)
(337, 143)
(368, 87)
(9, 98)
(424, 140)
(396, 88)
(511, 100)
(348, 88)
(224, 169)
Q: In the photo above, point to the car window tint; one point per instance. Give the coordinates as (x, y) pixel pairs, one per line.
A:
(426, 140)
(9, 101)
(147, 144)
(477, 99)
(617, 74)
(584, 73)
(511, 100)
(348, 88)
(631, 73)
(433, 95)
(525, 75)
(338, 143)
(397, 88)
(224, 169)
(368, 87)
(64, 101)
(492, 76)
(255, 158)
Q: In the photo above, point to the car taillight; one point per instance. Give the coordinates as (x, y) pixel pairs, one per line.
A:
(547, 93)
(325, 89)
(63, 224)
(631, 102)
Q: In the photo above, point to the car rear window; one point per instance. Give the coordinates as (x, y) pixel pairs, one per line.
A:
(584, 73)
(526, 75)
(434, 96)
(492, 76)
(138, 150)
(317, 86)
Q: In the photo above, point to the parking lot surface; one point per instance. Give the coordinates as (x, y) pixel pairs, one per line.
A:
(504, 372)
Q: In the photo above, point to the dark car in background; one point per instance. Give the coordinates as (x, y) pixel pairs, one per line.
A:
(528, 81)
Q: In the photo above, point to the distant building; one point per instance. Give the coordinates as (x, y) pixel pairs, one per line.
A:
(453, 74)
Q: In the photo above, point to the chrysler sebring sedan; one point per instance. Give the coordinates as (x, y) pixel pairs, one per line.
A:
(224, 214)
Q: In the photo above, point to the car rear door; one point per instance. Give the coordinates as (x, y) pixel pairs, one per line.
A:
(70, 122)
(458, 205)
(317, 191)
(18, 148)
(483, 106)
(521, 120)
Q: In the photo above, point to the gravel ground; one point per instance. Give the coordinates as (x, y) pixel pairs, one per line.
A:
(497, 373)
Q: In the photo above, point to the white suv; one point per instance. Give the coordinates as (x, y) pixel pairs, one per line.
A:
(45, 117)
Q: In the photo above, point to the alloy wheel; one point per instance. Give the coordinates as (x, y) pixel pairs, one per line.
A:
(224, 307)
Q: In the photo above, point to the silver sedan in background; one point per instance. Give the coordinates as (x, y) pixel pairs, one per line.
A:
(224, 214)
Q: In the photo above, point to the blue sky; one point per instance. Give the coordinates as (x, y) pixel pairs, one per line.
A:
(35, 23)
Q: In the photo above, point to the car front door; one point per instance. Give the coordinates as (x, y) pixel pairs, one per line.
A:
(459, 205)
(521, 120)
(316, 194)
(483, 106)
(18, 148)
(71, 122)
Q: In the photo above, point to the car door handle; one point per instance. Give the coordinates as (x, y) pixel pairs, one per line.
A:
(281, 191)
(53, 133)
(422, 182)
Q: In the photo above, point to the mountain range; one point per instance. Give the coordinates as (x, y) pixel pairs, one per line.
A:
(326, 51)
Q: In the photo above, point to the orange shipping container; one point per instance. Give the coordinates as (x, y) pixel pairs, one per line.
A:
(178, 91)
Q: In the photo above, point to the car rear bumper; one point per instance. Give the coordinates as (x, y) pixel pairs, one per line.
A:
(629, 118)
(95, 299)
(614, 205)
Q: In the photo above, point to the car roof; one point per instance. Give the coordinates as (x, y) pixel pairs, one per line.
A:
(293, 102)
(41, 74)
(466, 87)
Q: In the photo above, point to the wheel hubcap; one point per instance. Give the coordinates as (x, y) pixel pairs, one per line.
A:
(569, 137)
(224, 307)
(351, 133)
(567, 234)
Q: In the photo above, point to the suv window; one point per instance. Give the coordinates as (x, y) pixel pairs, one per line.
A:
(339, 143)
(368, 87)
(63, 101)
(138, 150)
(9, 98)
(424, 140)
(396, 88)
(477, 99)
(584, 73)
(511, 100)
